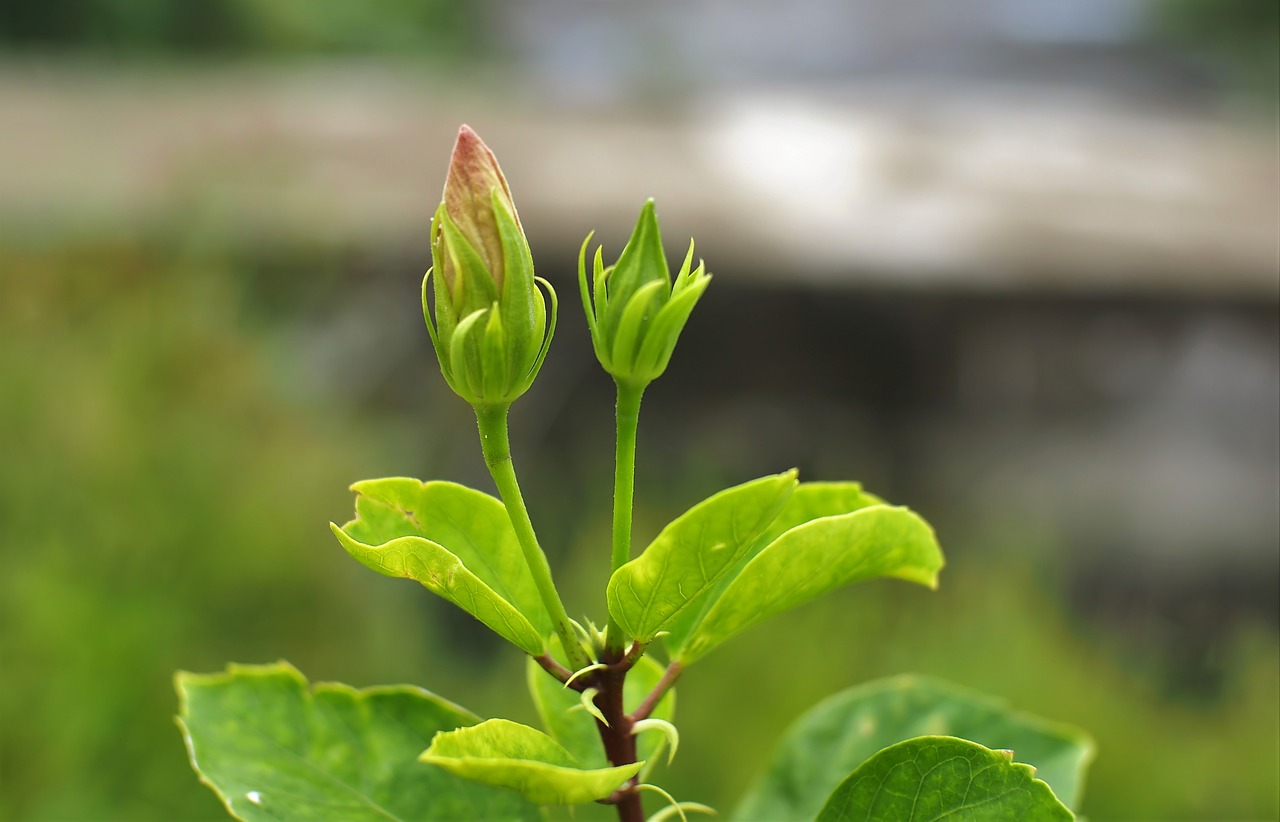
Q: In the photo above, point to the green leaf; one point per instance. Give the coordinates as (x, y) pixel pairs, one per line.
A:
(273, 748)
(816, 557)
(456, 541)
(565, 720)
(811, 500)
(841, 732)
(510, 755)
(692, 553)
(932, 777)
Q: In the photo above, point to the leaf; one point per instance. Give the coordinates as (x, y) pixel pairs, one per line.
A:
(273, 748)
(510, 755)
(932, 777)
(840, 733)
(456, 541)
(816, 557)
(571, 726)
(810, 501)
(691, 554)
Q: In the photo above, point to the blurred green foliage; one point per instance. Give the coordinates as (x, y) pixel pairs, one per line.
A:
(163, 506)
(1244, 35)
(164, 493)
(425, 28)
(165, 489)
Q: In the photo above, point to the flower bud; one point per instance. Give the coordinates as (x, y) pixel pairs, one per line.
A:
(634, 310)
(491, 330)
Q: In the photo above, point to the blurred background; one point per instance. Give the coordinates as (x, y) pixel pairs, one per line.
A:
(1010, 262)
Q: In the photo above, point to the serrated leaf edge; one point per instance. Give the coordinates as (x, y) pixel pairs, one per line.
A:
(1028, 770)
(236, 670)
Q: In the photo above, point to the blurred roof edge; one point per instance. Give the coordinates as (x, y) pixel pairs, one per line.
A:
(985, 185)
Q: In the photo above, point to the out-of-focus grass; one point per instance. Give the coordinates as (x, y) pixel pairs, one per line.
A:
(163, 498)
(431, 28)
(163, 506)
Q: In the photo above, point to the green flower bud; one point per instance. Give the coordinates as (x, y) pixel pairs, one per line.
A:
(634, 310)
(491, 329)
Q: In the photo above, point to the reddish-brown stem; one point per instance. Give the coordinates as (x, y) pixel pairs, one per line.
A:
(615, 733)
(627, 800)
(632, 656)
(557, 670)
(651, 701)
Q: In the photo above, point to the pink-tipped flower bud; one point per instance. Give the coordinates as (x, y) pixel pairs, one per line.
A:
(491, 328)
(474, 180)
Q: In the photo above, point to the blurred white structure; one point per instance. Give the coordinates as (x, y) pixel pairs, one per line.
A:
(1007, 144)
(586, 51)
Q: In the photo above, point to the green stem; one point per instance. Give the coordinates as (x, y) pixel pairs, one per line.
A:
(624, 482)
(496, 444)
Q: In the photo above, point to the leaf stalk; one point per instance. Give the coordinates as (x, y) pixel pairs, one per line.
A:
(651, 701)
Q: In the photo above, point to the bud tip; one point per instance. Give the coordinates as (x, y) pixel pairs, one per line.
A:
(470, 154)
(467, 138)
